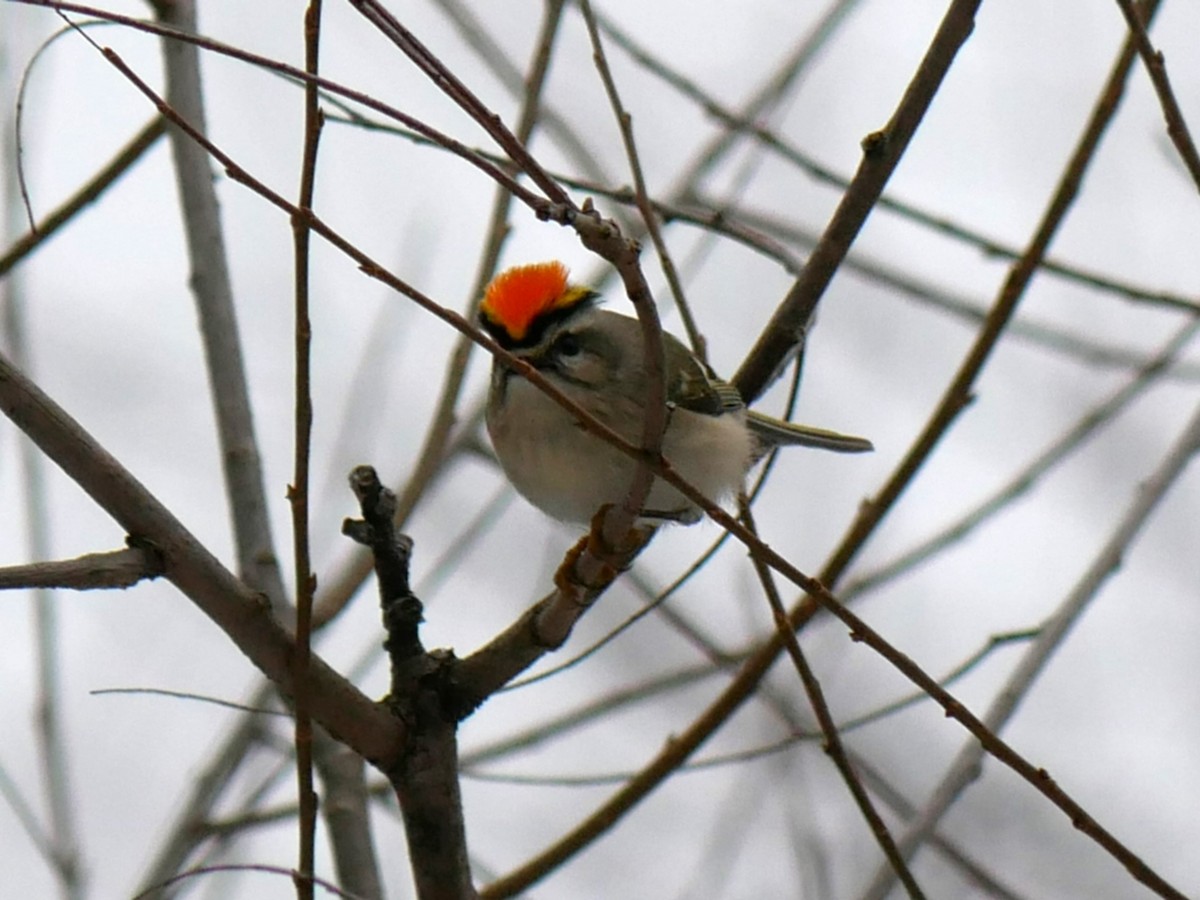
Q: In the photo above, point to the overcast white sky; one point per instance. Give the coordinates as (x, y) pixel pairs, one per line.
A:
(113, 339)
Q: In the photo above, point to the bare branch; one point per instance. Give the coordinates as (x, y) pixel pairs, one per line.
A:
(425, 696)
(114, 569)
(1156, 66)
(86, 195)
(882, 151)
(833, 742)
(969, 763)
(239, 611)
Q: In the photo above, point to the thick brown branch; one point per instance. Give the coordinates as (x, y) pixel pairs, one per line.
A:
(881, 154)
(240, 612)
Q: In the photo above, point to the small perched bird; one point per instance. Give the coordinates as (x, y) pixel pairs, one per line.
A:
(595, 357)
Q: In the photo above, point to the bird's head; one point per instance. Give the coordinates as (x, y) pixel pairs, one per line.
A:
(522, 302)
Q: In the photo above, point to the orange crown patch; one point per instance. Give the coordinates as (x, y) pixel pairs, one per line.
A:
(518, 297)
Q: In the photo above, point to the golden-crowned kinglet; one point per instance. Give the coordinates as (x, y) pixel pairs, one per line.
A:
(595, 357)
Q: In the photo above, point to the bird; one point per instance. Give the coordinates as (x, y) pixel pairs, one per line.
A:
(595, 357)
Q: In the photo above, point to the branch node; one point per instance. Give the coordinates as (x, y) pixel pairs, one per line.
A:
(875, 144)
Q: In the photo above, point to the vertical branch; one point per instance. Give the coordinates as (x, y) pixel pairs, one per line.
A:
(258, 565)
(298, 490)
(623, 255)
(62, 840)
(425, 777)
(345, 809)
(434, 450)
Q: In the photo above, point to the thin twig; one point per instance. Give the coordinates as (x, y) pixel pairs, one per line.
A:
(205, 790)
(122, 161)
(655, 392)
(1156, 67)
(1028, 476)
(239, 611)
(302, 455)
(654, 419)
(882, 151)
(833, 742)
(968, 765)
(240, 867)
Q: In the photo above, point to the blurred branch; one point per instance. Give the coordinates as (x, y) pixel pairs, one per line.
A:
(239, 611)
(213, 291)
(113, 569)
(210, 281)
(969, 764)
(186, 830)
(345, 807)
(747, 124)
(25, 815)
(882, 151)
(50, 732)
(833, 742)
(973, 871)
(86, 195)
(958, 394)
(784, 229)
(1025, 479)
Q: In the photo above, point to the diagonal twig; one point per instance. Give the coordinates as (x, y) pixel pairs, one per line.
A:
(968, 764)
(1156, 67)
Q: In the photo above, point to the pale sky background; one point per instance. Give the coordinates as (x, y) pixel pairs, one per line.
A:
(1115, 717)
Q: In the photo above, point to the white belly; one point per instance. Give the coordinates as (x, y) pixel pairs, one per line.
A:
(569, 474)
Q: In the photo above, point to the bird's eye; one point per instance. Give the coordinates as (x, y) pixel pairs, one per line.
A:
(567, 346)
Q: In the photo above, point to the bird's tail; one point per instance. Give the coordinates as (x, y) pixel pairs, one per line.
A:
(774, 432)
